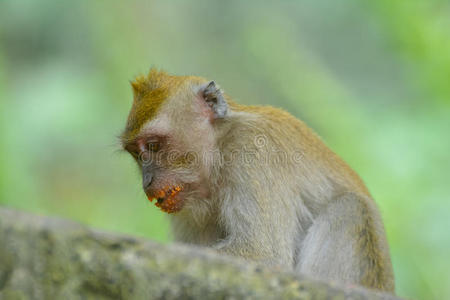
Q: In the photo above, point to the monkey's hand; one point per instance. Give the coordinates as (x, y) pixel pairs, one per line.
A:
(227, 247)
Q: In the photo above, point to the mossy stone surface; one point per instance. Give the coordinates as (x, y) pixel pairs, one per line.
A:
(50, 258)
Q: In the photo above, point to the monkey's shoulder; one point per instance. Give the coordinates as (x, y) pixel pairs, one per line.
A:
(273, 123)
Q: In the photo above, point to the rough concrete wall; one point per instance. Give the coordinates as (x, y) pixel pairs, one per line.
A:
(48, 258)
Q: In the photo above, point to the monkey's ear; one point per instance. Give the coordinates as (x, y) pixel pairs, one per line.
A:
(213, 96)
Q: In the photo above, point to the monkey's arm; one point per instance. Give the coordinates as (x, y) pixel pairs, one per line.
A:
(346, 243)
(255, 232)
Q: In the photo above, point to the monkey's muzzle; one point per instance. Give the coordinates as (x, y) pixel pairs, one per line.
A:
(168, 199)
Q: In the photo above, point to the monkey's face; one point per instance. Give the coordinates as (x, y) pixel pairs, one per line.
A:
(170, 135)
(171, 172)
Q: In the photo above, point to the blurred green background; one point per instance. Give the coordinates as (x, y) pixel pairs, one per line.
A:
(373, 79)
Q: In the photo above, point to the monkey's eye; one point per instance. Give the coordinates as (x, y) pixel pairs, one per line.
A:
(153, 146)
(132, 150)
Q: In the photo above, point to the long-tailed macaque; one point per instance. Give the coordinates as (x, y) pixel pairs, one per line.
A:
(254, 182)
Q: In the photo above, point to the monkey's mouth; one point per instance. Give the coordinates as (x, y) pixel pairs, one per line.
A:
(168, 199)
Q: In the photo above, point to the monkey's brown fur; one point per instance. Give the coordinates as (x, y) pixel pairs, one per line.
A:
(312, 215)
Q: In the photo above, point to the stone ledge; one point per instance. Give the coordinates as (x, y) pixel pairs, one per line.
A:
(50, 258)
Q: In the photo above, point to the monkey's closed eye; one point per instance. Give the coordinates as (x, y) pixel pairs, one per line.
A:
(132, 150)
(153, 146)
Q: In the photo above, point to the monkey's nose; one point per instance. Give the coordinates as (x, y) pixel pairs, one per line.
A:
(147, 179)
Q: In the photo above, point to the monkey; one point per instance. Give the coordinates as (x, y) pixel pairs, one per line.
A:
(253, 182)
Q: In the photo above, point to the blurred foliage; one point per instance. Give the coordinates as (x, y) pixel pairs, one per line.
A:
(372, 79)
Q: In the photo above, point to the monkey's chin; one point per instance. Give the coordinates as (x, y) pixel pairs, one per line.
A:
(168, 199)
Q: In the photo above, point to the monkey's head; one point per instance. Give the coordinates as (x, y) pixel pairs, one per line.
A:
(170, 132)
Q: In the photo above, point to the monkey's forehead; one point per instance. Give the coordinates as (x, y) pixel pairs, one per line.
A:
(144, 109)
(151, 92)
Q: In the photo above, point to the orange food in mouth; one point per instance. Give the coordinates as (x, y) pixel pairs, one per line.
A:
(167, 200)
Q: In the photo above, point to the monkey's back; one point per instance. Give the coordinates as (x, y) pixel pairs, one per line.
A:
(294, 135)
